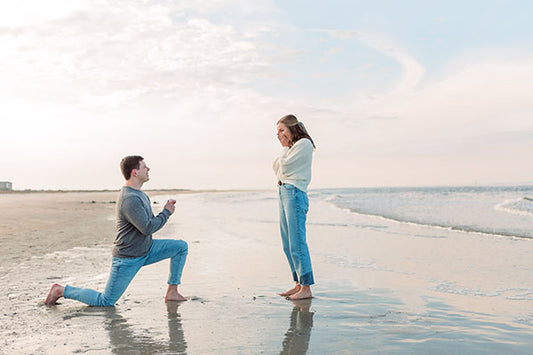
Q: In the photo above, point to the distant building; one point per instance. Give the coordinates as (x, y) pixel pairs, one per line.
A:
(6, 186)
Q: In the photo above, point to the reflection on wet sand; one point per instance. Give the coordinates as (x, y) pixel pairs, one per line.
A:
(176, 342)
(125, 341)
(297, 337)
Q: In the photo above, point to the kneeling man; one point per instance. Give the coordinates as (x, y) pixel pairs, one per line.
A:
(133, 245)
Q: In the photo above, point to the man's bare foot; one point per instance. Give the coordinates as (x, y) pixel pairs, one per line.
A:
(304, 293)
(292, 291)
(56, 292)
(173, 294)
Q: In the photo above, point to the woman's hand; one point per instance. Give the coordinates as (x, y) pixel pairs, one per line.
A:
(284, 140)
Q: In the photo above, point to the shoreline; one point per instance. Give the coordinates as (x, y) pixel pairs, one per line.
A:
(438, 226)
(179, 190)
(154, 191)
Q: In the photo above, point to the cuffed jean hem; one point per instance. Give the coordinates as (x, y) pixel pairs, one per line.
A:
(295, 276)
(307, 279)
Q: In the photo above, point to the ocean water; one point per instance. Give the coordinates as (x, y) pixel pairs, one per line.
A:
(501, 210)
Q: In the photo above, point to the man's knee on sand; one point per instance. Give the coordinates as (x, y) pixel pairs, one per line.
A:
(108, 302)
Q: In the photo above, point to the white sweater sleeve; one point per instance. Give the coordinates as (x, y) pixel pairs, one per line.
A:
(278, 161)
(292, 159)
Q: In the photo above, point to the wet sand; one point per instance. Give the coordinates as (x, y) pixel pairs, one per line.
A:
(382, 287)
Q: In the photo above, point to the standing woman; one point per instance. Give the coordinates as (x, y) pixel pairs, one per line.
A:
(293, 170)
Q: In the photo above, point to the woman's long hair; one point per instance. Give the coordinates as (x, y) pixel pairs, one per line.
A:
(296, 128)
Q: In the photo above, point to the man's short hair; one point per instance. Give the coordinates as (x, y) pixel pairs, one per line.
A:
(129, 163)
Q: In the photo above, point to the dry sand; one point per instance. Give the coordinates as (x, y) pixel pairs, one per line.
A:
(39, 223)
(382, 287)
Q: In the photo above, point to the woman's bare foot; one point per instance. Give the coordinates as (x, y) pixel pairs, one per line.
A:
(173, 294)
(292, 291)
(304, 293)
(55, 293)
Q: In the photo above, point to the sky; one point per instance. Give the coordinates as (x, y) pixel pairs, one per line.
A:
(410, 93)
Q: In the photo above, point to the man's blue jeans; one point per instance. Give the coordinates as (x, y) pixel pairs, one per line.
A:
(293, 207)
(124, 269)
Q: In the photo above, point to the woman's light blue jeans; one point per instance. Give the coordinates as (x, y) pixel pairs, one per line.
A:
(124, 269)
(293, 207)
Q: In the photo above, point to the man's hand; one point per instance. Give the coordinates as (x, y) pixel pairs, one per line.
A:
(170, 205)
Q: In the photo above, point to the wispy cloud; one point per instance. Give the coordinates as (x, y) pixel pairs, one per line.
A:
(412, 70)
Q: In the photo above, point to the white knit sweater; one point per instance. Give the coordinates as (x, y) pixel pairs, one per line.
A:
(293, 166)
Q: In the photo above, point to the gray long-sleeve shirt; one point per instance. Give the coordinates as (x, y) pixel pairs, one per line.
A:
(135, 223)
